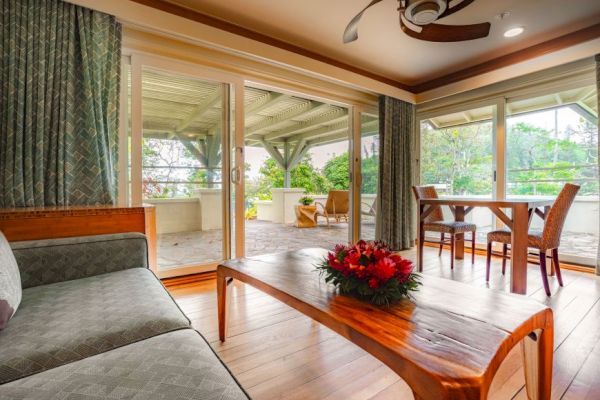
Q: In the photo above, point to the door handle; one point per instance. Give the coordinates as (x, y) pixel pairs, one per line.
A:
(236, 175)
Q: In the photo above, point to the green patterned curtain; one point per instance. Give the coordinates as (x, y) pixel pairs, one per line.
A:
(598, 97)
(59, 103)
(394, 222)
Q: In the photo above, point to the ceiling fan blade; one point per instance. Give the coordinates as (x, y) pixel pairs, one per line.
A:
(458, 7)
(447, 33)
(351, 32)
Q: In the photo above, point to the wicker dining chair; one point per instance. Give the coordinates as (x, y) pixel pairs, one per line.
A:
(547, 239)
(435, 223)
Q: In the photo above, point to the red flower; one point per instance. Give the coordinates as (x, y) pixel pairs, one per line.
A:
(385, 269)
(373, 283)
(405, 268)
(334, 263)
(353, 258)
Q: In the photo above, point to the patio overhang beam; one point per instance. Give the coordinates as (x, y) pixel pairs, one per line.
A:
(262, 103)
(334, 116)
(197, 152)
(274, 152)
(272, 123)
(199, 111)
(297, 154)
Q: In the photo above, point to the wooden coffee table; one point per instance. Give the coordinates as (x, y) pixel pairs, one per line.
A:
(447, 343)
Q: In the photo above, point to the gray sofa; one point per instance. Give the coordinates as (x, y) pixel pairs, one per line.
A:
(95, 322)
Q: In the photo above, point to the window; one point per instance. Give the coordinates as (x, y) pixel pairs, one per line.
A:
(457, 158)
(552, 140)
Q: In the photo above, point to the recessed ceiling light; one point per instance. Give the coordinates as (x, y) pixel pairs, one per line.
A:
(512, 32)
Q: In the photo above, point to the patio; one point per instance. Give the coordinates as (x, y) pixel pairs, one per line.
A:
(194, 247)
(184, 248)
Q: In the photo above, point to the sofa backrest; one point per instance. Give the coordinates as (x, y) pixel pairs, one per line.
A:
(55, 260)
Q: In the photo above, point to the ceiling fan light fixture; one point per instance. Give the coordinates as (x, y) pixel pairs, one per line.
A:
(512, 32)
(424, 12)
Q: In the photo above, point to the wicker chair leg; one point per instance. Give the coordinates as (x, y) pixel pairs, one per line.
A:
(473, 248)
(544, 272)
(441, 244)
(556, 264)
(504, 252)
(488, 259)
(452, 251)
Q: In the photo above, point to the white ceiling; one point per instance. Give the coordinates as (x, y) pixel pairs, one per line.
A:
(382, 48)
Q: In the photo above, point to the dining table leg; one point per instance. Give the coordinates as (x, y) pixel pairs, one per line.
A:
(519, 231)
(459, 245)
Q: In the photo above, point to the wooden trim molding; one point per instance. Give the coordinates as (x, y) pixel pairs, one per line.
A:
(551, 46)
(189, 280)
(59, 222)
(541, 49)
(250, 34)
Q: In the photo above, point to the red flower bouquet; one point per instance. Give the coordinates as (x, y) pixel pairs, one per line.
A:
(369, 270)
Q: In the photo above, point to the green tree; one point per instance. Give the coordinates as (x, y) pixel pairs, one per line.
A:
(458, 157)
(370, 168)
(337, 172)
(304, 175)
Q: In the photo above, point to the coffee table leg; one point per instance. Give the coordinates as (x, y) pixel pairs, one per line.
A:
(222, 303)
(537, 351)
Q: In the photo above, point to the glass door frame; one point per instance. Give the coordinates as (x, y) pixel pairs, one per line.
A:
(233, 122)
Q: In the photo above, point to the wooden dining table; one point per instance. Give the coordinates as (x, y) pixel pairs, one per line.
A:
(517, 221)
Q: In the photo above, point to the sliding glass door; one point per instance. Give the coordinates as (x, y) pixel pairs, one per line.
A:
(182, 153)
(225, 164)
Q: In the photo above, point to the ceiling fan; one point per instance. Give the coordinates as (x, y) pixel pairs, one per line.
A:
(417, 19)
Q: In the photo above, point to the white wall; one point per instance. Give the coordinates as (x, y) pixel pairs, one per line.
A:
(177, 215)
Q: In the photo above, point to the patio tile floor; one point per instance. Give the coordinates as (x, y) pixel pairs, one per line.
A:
(196, 247)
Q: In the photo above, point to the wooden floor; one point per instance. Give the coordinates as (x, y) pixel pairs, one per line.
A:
(276, 352)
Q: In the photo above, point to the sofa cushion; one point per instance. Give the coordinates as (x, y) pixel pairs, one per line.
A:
(46, 261)
(10, 283)
(178, 365)
(67, 321)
